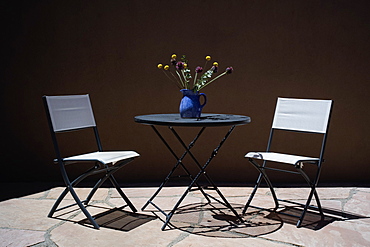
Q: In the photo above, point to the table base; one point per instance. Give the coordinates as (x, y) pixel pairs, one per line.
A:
(194, 180)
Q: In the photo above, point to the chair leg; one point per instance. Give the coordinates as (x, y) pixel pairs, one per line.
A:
(313, 192)
(265, 177)
(82, 207)
(57, 202)
(78, 202)
(252, 194)
(305, 208)
(115, 184)
(103, 179)
(69, 188)
(69, 184)
(94, 189)
(125, 198)
(319, 204)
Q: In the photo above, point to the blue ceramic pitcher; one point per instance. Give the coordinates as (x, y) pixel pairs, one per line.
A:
(190, 106)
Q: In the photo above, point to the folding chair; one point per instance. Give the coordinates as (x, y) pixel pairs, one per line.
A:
(298, 115)
(74, 112)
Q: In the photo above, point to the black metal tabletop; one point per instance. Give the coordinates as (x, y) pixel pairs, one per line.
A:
(206, 120)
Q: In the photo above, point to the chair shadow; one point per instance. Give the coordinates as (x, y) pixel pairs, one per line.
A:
(112, 218)
(313, 219)
(216, 220)
(119, 219)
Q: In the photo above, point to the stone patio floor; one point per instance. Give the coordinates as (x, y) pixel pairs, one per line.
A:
(24, 221)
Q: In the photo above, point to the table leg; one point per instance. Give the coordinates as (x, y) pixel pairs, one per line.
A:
(201, 172)
(179, 162)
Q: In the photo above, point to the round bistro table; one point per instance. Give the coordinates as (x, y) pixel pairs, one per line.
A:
(206, 120)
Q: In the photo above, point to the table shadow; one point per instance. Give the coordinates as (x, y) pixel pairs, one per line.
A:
(216, 220)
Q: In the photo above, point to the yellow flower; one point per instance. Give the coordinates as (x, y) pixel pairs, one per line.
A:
(215, 64)
(208, 58)
(185, 65)
(166, 67)
(173, 56)
(160, 66)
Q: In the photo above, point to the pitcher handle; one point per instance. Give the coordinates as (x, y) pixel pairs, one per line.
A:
(205, 99)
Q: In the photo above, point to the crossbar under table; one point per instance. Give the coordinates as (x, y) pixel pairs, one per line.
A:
(210, 120)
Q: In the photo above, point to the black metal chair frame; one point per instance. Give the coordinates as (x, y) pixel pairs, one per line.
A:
(97, 168)
(312, 182)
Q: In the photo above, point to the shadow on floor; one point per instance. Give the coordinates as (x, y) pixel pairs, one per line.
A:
(118, 219)
(21, 189)
(216, 220)
(312, 220)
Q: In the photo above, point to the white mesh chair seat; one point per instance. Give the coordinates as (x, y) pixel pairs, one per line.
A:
(279, 157)
(103, 157)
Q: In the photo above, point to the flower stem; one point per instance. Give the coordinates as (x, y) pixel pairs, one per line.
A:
(195, 79)
(212, 81)
(205, 64)
(182, 82)
(185, 80)
(176, 81)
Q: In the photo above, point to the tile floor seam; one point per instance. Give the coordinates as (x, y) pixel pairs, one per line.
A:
(48, 232)
(362, 189)
(181, 237)
(109, 197)
(189, 230)
(46, 243)
(280, 242)
(344, 201)
(45, 196)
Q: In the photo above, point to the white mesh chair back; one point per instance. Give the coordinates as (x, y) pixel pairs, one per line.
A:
(302, 115)
(70, 112)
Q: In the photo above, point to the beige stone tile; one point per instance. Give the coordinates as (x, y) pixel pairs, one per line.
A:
(347, 233)
(231, 191)
(332, 204)
(149, 234)
(138, 202)
(15, 237)
(26, 214)
(334, 193)
(334, 234)
(39, 195)
(359, 205)
(302, 193)
(148, 192)
(216, 220)
(134, 192)
(364, 230)
(100, 195)
(193, 240)
(74, 214)
(363, 189)
(258, 201)
(235, 191)
(167, 203)
(197, 223)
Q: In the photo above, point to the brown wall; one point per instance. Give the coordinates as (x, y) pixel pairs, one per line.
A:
(109, 49)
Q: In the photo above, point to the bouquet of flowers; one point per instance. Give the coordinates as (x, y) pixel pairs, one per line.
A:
(181, 74)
